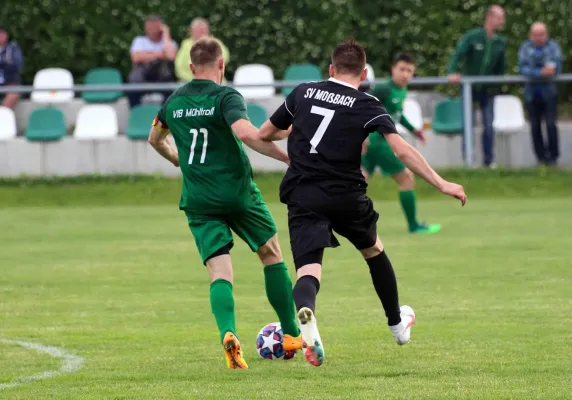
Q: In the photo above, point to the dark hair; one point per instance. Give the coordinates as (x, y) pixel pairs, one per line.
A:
(349, 58)
(405, 57)
(205, 51)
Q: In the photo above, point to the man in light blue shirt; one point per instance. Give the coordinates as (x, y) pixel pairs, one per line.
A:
(153, 57)
(541, 57)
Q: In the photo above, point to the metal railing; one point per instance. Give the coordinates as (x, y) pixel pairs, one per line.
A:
(466, 84)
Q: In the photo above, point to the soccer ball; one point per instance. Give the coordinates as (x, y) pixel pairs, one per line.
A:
(269, 343)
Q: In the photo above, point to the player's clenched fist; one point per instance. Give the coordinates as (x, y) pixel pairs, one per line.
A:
(454, 190)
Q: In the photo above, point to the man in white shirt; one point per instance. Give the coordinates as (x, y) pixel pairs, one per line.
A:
(152, 56)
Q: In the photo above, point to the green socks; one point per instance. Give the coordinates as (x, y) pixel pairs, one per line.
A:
(409, 205)
(278, 290)
(279, 293)
(222, 305)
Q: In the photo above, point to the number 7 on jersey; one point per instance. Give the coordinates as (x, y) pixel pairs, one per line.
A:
(328, 115)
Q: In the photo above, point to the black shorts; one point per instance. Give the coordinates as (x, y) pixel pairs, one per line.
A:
(315, 213)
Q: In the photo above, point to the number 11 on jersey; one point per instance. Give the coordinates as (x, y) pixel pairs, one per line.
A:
(328, 115)
(193, 144)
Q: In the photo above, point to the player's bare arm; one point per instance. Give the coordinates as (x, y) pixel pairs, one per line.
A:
(271, 133)
(249, 135)
(417, 163)
(159, 139)
(365, 145)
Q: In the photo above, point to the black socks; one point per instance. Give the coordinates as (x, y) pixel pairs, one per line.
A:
(305, 292)
(384, 282)
(385, 285)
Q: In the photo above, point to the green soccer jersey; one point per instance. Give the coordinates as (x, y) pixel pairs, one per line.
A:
(217, 175)
(392, 98)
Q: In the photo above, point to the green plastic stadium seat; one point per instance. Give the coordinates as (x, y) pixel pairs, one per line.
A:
(448, 117)
(102, 76)
(257, 114)
(140, 120)
(301, 72)
(46, 124)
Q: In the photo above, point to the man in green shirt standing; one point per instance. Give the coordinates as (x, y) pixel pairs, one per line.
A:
(209, 123)
(481, 51)
(378, 153)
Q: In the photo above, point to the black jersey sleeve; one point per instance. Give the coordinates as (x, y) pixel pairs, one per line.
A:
(377, 118)
(282, 118)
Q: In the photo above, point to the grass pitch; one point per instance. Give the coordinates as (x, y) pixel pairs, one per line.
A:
(123, 287)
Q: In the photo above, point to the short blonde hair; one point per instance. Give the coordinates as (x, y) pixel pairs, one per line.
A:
(205, 51)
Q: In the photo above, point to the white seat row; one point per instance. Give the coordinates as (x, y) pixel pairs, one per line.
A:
(94, 121)
(49, 78)
(508, 114)
(99, 121)
(260, 74)
(250, 74)
(7, 123)
(63, 80)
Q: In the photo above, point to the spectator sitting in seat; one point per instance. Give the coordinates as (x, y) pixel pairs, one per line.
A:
(152, 56)
(541, 57)
(199, 28)
(10, 65)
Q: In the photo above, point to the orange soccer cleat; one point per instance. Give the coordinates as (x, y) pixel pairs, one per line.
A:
(233, 352)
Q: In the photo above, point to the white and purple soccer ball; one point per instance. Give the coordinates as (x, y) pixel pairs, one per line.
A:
(269, 343)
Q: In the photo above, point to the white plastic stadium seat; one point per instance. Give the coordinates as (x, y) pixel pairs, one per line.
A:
(53, 77)
(412, 111)
(509, 114)
(7, 124)
(96, 121)
(370, 73)
(254, 74)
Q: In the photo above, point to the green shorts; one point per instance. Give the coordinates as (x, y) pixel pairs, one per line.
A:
(213, 231)
(379, 154)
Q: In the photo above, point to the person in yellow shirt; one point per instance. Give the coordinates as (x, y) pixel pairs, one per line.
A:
(199, 28)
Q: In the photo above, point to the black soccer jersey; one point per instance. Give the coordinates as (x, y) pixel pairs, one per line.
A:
(330, 121)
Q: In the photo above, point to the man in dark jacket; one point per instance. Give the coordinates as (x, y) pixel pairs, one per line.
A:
(10, 65)
(481, 51)
(541, 57)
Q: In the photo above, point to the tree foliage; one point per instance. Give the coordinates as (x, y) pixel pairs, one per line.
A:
(82, 34)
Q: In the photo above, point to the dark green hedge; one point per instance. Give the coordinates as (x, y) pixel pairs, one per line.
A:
(84, 33)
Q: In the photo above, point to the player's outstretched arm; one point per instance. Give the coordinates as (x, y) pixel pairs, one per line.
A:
(271, 133)
(417, 163)
(158, 138)
(249, 135)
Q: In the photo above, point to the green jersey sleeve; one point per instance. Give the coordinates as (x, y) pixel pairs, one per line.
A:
(160, 120)
(162, 114)
(405, 122)
(381, 91)
(233, 108)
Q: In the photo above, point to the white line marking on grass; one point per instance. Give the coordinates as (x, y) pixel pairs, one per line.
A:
(71, 363)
